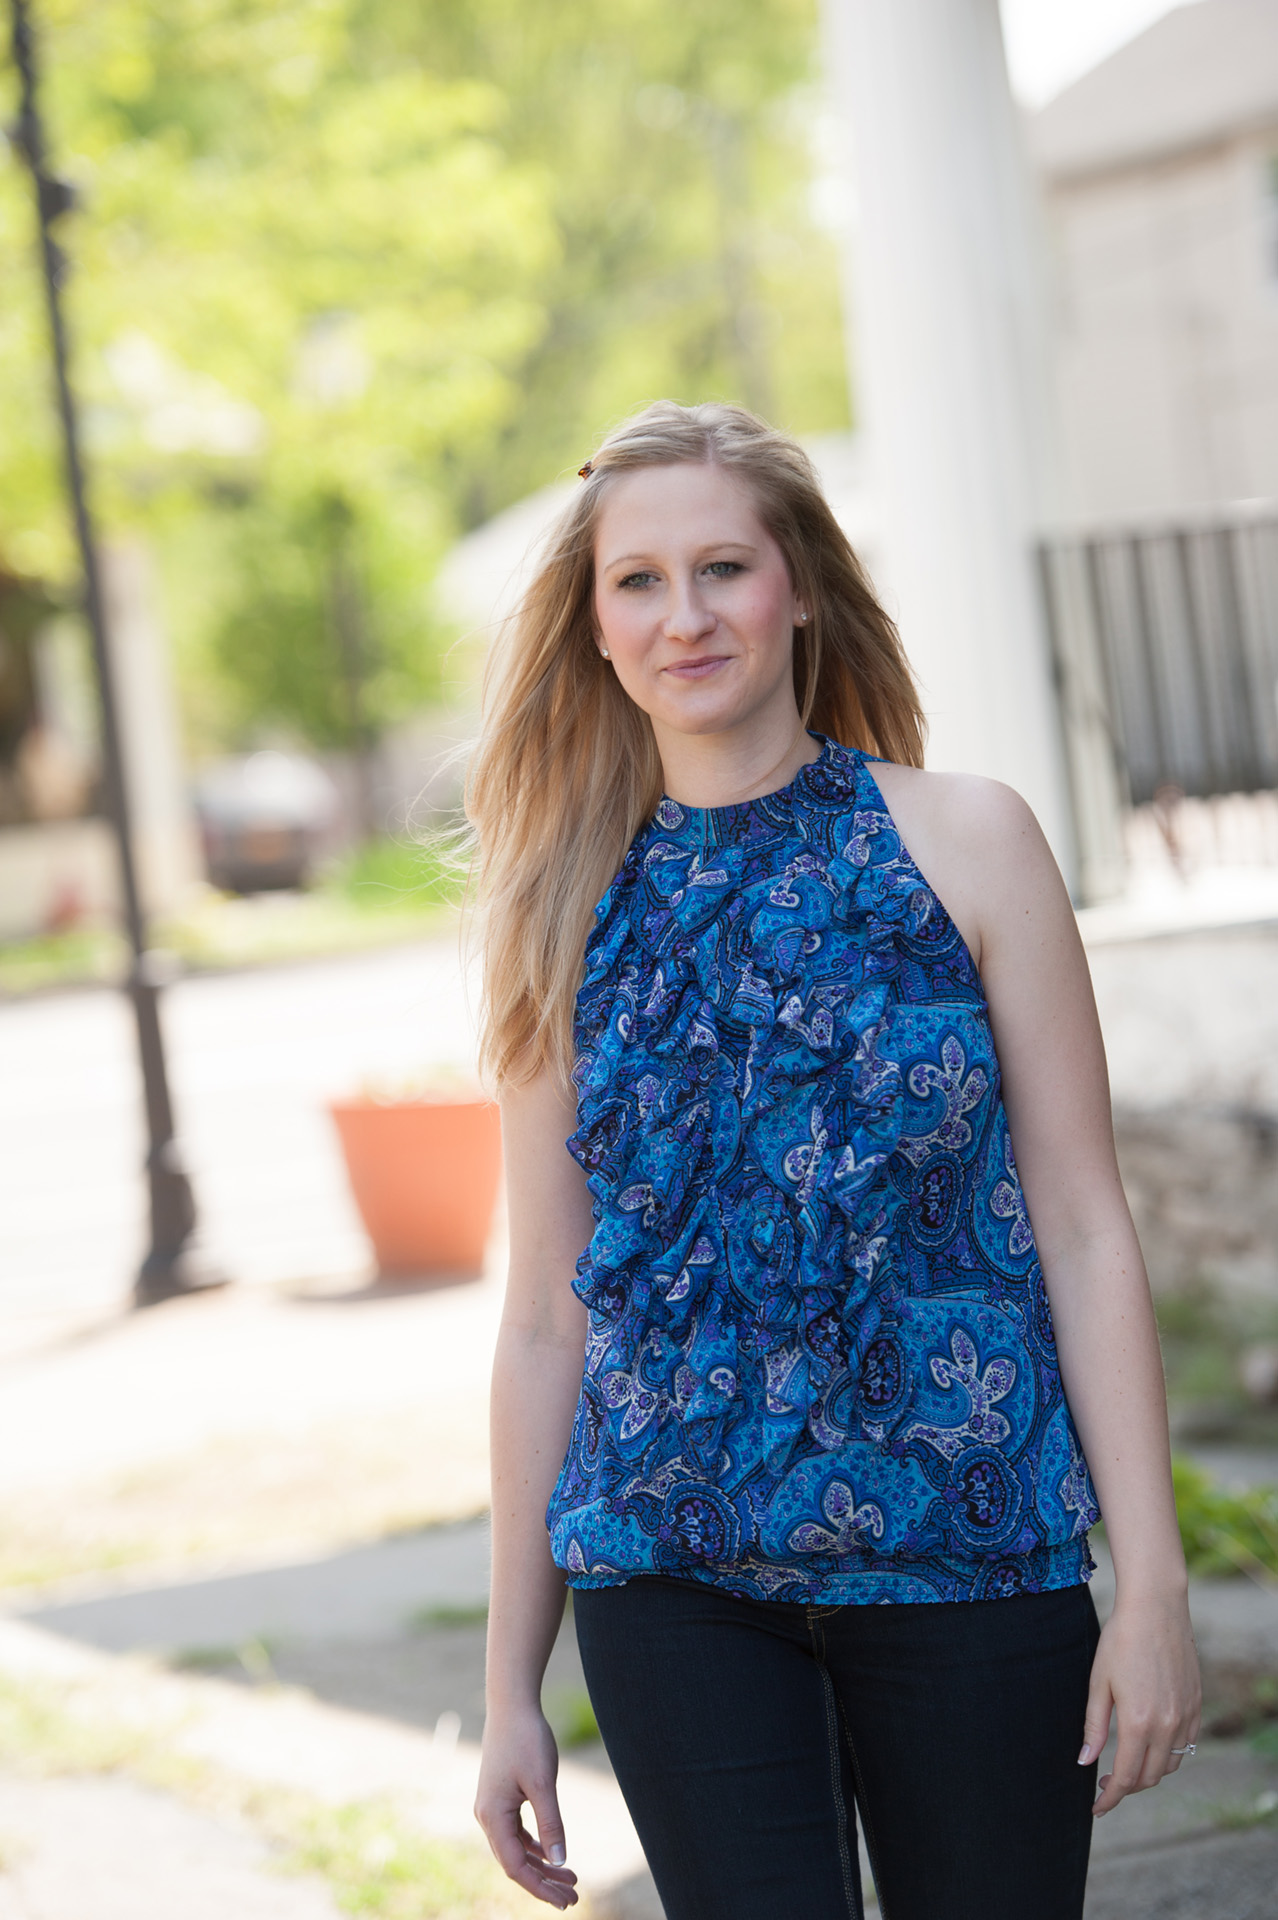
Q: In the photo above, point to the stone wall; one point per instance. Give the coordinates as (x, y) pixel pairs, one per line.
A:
(1203, 1188)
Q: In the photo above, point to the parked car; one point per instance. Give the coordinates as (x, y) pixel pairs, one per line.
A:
(263, 820)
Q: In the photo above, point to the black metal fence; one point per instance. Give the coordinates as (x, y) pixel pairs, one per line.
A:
(1166, 653)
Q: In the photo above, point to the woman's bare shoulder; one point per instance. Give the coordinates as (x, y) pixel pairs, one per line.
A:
(975, 840)
(963, 803)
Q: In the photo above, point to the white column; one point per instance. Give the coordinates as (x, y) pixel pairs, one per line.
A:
(949, 362)
(165, 840)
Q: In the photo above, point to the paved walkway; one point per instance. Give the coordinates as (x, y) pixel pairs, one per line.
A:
(253, 1058)
(137, 1855)
(278, 1737)
(361, 1672)
(1192, 1015)
(222, 1446)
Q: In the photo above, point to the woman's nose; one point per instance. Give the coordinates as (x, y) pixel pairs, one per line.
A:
(689, 618)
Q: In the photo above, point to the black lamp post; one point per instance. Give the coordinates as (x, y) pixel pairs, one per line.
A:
(172, 1265)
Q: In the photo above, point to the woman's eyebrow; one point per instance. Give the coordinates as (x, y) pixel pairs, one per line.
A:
(710, 546)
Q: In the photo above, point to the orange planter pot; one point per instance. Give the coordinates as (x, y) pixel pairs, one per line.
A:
(424, 1174)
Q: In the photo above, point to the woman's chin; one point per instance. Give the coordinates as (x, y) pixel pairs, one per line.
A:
(691, 723)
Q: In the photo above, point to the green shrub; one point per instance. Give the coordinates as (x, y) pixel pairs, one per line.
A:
(1225, 1532)
(376, 1863)
(397, 872)
(572, 1717)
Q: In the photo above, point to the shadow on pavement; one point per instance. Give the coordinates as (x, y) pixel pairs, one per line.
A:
(369, 1592)
(395, 1628)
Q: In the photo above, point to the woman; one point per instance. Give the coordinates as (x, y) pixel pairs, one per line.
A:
(808, 1425)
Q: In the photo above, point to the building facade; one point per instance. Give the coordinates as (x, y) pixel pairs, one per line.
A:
(1160, 174)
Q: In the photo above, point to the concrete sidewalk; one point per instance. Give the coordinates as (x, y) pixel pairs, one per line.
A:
(226, 1512)
(361, 1672)
(1204, 1844)
(136, 1855)
(275, 1737)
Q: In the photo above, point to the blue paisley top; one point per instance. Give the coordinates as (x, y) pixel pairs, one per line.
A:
(820, 1363)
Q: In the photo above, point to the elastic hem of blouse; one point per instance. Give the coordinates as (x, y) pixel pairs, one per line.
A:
(905, 1578)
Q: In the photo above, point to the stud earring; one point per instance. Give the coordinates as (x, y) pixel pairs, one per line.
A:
(604, 653)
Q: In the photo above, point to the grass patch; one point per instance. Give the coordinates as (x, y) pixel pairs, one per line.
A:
(376, 1863)
(372, 1855)
(252, 1657)
(1223, 1532)
(427, 1618)
(39, 1734)
(1237, 1815)
(45, 1566)
(389, 890)
(398, 874)
(1203, 1333)
(1238, 1700)
(81, 957)
(572, 1717)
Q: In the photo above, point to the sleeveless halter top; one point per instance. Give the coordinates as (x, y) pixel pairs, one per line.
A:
(820, 1364)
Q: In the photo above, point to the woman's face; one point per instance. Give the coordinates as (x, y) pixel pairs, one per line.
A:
(694, 602)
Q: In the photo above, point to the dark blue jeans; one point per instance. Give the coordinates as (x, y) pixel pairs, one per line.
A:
(748, 1736)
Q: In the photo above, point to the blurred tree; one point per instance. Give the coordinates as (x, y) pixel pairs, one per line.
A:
(676, 143)
(354, 272)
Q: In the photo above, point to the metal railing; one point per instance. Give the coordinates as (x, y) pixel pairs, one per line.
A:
(1165, 644)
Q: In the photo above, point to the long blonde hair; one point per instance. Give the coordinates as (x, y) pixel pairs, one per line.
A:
(566, 769)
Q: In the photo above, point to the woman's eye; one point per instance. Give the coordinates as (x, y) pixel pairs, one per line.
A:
(724, 569)
(635, 580)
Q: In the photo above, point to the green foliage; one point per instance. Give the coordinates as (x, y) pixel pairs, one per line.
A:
(674, 143)
(74, 958)
(352, 273)
(1222, 1532)
(38, 1734)
(389, 890)
(1238, 1816)
(572, 1717)
(253, 1658)
(390, 873)
(374, 1859)
(1205, 1333)
(377, 1864)
(428, 1619)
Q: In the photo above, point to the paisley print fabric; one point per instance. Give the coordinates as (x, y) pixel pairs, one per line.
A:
(820, 1363)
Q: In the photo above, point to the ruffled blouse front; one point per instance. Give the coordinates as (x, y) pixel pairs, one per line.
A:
(820, 1363)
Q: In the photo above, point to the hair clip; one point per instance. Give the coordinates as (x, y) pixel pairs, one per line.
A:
(584, 473)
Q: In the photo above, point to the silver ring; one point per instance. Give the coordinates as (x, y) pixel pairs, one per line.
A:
(1191, 1749)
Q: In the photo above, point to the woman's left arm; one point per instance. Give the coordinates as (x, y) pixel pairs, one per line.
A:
(1056, 1090)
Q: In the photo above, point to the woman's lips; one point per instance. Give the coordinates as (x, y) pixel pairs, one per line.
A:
(698, 669)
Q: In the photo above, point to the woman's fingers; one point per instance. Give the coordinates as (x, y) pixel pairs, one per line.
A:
(1100, 1705)
(550, 1827)
(1146, 1673)
(1147, 1752)
(518, 1769)
(1129, 1765)
(523, 1859)
(547, 1865)
(526, 1859)
(520, 1857)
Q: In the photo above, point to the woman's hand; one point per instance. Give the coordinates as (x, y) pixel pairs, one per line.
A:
(1145, 1670)
(536, 1380)
(519, 1764)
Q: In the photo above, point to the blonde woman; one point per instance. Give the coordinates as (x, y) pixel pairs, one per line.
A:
(825, 1315)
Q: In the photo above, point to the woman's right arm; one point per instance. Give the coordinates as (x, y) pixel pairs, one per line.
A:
(536, 1381)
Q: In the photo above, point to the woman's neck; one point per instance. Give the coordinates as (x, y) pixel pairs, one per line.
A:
(723, 769)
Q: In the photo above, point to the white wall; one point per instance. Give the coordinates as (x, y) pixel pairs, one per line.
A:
(1167, 293)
